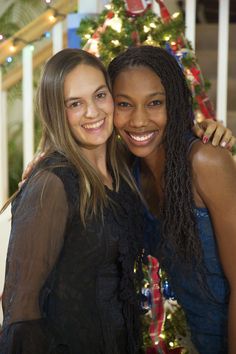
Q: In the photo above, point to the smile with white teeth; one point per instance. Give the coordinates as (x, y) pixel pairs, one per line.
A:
(143, 137)
(94, 125)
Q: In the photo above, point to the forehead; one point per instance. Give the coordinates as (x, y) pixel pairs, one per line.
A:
(84, 76)
(137, 80)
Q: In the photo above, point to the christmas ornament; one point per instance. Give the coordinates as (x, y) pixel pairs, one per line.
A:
(137, 7)
(165, 15)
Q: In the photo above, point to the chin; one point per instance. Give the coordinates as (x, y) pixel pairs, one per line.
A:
(139, 152)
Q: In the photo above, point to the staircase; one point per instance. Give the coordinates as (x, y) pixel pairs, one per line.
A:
(206, 50)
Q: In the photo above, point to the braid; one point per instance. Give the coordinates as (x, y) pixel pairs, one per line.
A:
(179, 232)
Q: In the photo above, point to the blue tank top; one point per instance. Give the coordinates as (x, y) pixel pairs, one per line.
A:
(206, 306)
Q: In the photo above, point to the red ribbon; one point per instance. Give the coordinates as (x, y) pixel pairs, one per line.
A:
(158, 313)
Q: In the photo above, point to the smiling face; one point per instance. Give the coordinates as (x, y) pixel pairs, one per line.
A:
(89, 106)
(140, 110)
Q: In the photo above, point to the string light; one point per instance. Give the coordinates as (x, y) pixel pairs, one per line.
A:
(52, 18)
(167, 37)
(175, 15)
(146, 29)
(1, 37)
(108, 6)
(9, 60)
(115, 42)
(47, 34)
(153, 25)
(12, 48)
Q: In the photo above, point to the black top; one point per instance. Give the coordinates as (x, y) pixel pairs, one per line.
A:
(70, 289)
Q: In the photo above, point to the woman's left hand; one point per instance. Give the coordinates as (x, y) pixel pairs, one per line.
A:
(216, 131)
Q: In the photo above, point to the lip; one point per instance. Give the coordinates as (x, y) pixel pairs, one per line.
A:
(94, 126)
(141, 138)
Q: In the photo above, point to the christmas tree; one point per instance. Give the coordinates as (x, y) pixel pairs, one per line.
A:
(126, 23)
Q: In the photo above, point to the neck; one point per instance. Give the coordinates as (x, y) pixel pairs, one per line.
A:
(97, 158)
(155, 162)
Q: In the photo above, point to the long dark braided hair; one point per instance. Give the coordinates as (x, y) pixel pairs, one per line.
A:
(179, 233)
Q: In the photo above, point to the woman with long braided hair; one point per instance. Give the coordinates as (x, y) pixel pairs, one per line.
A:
(187, 186)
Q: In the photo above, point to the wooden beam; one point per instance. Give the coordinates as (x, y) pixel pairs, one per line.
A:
(35, 29)
(15, 75)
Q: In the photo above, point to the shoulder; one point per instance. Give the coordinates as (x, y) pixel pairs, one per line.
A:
(213, 170)
(207, 157)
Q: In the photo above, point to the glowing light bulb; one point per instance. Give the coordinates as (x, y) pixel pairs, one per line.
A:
(52, 18)
(153, 25)
(175, 15)
(9, 59)
(167, 37)
(47, 34)
(115, 42)
(12, 48)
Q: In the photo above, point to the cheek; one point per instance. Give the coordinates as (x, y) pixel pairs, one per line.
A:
(70, 118)
(108, 106)
(120, 119)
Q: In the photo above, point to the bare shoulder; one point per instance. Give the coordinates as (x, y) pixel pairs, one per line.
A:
(207, 156)
(213, 173)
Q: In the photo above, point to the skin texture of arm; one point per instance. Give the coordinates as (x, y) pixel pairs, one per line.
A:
(214, 184)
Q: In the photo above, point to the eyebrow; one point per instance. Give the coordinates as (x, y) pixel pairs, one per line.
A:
(150, 95)
(76, 98)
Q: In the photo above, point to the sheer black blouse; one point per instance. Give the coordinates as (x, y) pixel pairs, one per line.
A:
(70, 289)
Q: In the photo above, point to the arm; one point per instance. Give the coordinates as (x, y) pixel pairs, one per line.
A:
(36, 239)
(214, 173)
(217, 132)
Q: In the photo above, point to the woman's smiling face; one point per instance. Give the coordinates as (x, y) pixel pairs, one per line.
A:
(140, 109)
(89, 106)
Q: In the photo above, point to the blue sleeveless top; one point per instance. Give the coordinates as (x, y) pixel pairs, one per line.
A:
(205, 305)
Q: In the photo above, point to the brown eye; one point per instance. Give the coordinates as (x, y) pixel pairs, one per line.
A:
(155, 103)
(101, 95)
(123, 104)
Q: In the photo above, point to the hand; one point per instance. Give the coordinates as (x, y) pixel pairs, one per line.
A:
(29, 168)
(211, 129)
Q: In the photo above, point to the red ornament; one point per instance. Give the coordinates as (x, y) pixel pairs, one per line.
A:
(195, 72)
(165, 15)
(110, 15)
(136, 7)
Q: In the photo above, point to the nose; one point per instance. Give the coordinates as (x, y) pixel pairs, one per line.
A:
(138, 118)
(91, 110)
